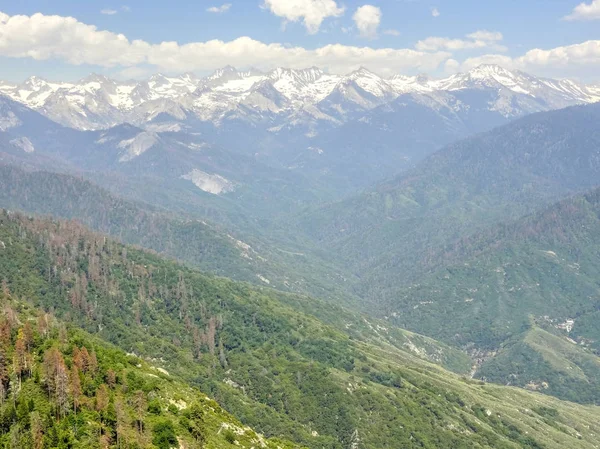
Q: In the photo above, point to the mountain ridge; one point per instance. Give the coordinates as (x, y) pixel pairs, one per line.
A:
(501, 175)
(97, 101)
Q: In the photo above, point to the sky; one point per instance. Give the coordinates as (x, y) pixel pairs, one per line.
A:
(68, 39)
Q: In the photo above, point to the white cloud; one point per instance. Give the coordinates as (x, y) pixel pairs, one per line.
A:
(435, 12)
(43, 37)
(367, 19)
(220, 9)
(578, 60)
(478, 39)
(112, 12)
(445, 43)
(136, 72)
(485, 35)
(583, 54)
(583, 11)
(451, 66)
(392, 32)
(311, 12)
(66, 39)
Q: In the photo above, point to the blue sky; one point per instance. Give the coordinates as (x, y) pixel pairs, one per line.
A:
(391, 42)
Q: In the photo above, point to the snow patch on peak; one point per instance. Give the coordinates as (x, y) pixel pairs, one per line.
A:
(220, 73)
(488, 75)
(239, 85)
(371, 82)
(362, 71)
(35, 82)
(211, 183)
(305, 75)
(137, 145)
(409, 84)
(490, 71)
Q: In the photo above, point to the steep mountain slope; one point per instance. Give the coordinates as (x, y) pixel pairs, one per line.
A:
(498, 290)
(69, 389)
(493, 177)
(182, 171)
(271, 365)
(393, 137)
(540, 360)
(176, 170)
(557, 244)
(238, 255)
(29, 131)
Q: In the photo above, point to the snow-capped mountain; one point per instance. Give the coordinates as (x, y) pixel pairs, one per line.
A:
(281, 96)
(555, 93)
(251, 134)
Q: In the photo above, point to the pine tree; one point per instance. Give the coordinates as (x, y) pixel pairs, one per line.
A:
(140, 406)
(4, 377)
(111, 378)
(62, 387)
(222, 358)
(37, 430)
(197, 426)
(121, 420)
(102, 398)
(76, 391)
(20, 358)
(93, 363)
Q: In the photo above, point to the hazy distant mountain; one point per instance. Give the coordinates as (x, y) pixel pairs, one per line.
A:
(387, 234)
(99, 102)
(349, 130)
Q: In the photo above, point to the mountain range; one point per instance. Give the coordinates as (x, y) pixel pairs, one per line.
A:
(294, 97)
(344, 133)
(495, 176)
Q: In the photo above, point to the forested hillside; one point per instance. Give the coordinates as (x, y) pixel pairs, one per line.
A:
(212, 248)
(62, 388)
(276, 368)
(498, 289)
